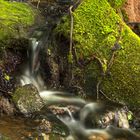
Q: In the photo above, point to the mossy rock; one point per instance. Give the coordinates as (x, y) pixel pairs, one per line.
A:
(117, 3)
(15, 18)
(27, 99)
(97, 28)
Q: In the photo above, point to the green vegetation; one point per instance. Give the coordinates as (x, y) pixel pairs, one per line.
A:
(97, 28)
(27, 99)
(14, 16)
(14, 19)
(116, 3)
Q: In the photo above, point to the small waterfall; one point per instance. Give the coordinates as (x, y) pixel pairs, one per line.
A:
(31, 73)
(78, 130)
(33, 55)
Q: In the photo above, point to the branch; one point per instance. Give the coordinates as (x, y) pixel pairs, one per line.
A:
(71, 29)
(38, 4)
(114, 49)
(97, 89)
(75, 5)
(118, 103)
(6, 92)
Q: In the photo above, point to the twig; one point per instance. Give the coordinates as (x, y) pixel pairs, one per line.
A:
(38, 4)
(70, 46)
(116, 102)
(114, 49)
(120, 13)
(105, 95)
(71, 29)
(75, 5)
(97, 89)
(6, 92)
(110, 62)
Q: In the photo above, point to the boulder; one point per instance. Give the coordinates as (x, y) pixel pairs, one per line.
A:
(27, 99)
(107, 49)
(15, 17)
(16, 20)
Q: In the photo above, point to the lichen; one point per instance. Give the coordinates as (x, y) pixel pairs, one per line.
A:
(96, 29)
(27, 99)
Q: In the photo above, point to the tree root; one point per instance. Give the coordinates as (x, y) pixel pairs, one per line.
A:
(38, 4)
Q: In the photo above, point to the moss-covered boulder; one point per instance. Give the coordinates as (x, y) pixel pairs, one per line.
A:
(15, 17)
(27, 99)
(102, 38)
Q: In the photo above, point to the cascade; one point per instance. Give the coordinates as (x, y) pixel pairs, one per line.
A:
(31, 74)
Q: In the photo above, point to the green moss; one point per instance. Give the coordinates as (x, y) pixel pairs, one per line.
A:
(25, 92)
(124, 15)
(14, 16)
(93, 27)
(27, 99)
(96, 29)
(116, 3)
(123, 84)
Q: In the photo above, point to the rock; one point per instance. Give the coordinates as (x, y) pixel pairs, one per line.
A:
(118, 118)
(132, 9)
(18, 17)
(97, 28)
(27, 99)
(45, 125)
(6, 107)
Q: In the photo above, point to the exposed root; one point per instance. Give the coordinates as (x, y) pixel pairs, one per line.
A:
(97, 89)
(38, 4)
(109, 99)
(70, 56)
(71, 29)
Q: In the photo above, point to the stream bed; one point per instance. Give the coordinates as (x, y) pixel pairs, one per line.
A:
(15, 128)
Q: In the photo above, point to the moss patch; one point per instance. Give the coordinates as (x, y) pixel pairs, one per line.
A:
(124, 81)
(116, 3)
(13, 17)
(96, 29)
(27, 99)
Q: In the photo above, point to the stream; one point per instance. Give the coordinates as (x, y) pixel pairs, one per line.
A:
(17, 128)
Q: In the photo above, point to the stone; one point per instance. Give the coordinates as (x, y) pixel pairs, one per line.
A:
(27, 99)
(97, 28)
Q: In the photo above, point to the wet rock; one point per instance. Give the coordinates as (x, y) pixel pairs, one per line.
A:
(6, 107)
(63, 110)
(45, 126)
(27, 99)
(118, 118)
